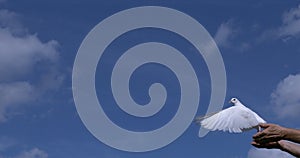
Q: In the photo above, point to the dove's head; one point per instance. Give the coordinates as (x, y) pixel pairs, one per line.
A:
(233, 101)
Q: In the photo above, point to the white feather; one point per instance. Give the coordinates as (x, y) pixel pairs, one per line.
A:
(235, 119)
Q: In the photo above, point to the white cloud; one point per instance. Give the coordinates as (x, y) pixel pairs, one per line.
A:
(12, 95)
(33, 153)
(263, 153)
(286, 97)
(291, 23)
(21, 52)
(289, 28)
(11, 21)
(227, 34)
(224, 34)
(19, 55)
(8, 18)
(9, 144)
(28, 66)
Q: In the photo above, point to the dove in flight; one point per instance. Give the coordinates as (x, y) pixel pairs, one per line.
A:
(235, 119)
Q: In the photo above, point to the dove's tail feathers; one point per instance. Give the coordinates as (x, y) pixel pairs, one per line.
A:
(199, 119)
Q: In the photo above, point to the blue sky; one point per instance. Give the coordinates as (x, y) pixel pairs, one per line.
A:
(258, 40)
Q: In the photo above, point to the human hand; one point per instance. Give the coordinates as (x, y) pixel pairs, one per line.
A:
(270, 135)
(275, 136)
(269, 145)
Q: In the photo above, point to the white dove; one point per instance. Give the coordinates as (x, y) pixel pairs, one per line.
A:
(235, 119)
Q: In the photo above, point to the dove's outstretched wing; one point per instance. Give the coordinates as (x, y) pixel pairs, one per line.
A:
(234, 119)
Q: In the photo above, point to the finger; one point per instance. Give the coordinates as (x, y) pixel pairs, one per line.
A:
(271, 145)
(273, 138)
(258, 135)
(264, 125)
(264, 138)
(255, 144)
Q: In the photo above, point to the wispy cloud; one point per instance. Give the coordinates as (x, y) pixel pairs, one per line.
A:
(289, 28)
(14, 94)
(224, 34)
(11, 21)
(28, 66)
(230, 33)
(33, 153)
(286, 98)
(19, 55)
(290, 23)
(227, 34)
(262, 153)
(9, 144)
